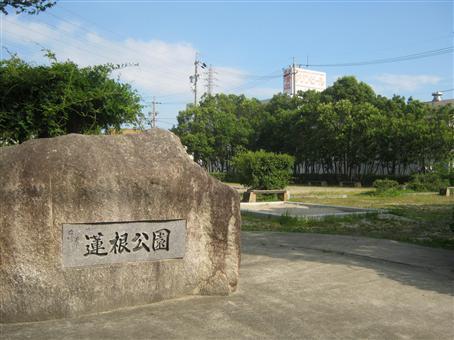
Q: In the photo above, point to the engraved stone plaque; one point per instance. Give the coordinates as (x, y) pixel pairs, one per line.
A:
(118, 242)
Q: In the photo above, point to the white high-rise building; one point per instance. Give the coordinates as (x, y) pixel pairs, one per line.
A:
(298, 79)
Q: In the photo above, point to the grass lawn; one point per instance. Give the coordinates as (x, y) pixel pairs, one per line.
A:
(421, 218)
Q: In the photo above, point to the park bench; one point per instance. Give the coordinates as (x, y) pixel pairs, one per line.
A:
(251, 195)
(447, 191)
(350, 184)
(318, 183)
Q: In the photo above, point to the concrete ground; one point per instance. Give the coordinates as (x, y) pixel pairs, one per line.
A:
(294, 286)
(297, 209)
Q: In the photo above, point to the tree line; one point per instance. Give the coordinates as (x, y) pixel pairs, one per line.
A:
(39, 101)
(346, 131)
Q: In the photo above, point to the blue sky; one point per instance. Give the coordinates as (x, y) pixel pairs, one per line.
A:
(243, 40)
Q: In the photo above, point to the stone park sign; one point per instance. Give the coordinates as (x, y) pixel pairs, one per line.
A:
(96, 223)
(83, 244)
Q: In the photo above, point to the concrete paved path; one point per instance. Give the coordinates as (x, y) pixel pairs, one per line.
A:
(294, 286)
(299, 209)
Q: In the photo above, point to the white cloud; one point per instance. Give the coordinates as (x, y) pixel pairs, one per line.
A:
(163, 71)
(164, 67)
(262, 92)
(229, 80)
(403, 82)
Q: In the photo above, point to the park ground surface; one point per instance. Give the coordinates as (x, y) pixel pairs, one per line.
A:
(297, 280)
(294, 286)
(420, 218)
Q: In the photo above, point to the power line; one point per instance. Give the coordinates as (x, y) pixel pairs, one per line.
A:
(245, 74)
(420, 55)
(248, 75)
(175, 94)
(79, 43)
(120, 49)
(65, 43)
(175, 103)
(256, 81)
(21, 36)
(168, 103)
(256, 78)
(91, 22)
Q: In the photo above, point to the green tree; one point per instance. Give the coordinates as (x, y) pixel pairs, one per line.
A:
(47, 101)
(263, 170)
(346, 131)
(278, 125)
(218, 128)
(28, 6)
(350, 89)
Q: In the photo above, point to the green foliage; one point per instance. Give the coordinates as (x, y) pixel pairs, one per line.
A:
(348, 88)
(28, 6)
(220, 176)
(427, 182)
(345, 132)
(263, 170)
(451, 224)
(218, 128)
(421, 229)
(393, 192)
(387, 187)
(445, 170)
(385, 184)
(47, 101)
(267, 197)
(289, 221)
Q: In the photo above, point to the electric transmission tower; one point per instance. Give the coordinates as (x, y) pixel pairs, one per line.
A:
(210, 80)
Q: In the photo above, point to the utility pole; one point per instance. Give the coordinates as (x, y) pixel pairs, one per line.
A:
(153, 112)
(194, 78)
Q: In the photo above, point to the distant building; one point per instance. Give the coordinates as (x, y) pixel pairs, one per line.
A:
(297, 79)
(439, 101)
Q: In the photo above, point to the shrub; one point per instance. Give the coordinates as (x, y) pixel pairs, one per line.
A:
(263, 170)
(288, 220)
(445, 171)
(451, 224)
(427, 182)
(385, 184)
(219, 175)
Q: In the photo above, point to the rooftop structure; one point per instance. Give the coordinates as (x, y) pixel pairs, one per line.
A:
(438, 99)
(297, 79)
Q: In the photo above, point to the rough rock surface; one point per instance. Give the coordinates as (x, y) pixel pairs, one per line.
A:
(45, 183)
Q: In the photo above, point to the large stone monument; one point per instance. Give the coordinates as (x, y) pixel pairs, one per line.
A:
(96, 223)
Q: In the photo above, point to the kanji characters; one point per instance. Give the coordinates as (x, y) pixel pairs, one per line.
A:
(119, 243)
(161, 239)
(96, 246)
(140, 243)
